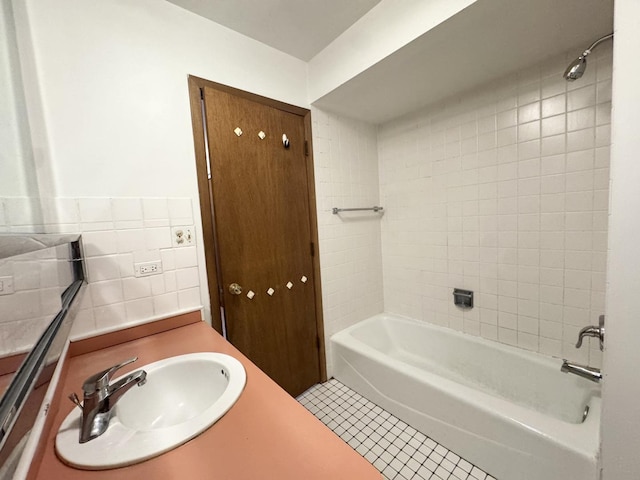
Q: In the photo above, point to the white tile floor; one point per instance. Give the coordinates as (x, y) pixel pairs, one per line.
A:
(398, 450)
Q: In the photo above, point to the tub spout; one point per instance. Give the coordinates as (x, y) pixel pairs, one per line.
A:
(590, 373)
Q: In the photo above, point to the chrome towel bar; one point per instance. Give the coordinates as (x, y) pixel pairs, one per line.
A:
(337, 210)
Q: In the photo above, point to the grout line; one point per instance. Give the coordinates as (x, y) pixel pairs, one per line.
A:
(357, 420)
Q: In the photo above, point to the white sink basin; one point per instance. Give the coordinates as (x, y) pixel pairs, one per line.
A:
(183, 396)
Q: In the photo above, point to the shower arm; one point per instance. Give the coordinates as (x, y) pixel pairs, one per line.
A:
(596, 43)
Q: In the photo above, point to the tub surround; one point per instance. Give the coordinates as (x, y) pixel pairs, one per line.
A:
(265, 431)
(503, 190)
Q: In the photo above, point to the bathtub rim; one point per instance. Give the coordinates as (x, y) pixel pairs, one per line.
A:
(580, 438)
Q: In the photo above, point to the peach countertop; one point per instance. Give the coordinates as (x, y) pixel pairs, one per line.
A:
(266, 434)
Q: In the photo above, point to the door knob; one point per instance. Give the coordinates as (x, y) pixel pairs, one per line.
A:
(235, 289)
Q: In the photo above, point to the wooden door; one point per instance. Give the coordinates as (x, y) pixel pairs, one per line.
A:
(264, 242)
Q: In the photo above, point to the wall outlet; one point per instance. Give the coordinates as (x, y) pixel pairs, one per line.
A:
(6, 285)
(144, 269)
(183, 236)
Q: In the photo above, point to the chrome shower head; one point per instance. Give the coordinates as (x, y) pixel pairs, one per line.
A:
(577, 68)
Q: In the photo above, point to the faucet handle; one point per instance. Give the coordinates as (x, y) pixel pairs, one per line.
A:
(101, 379)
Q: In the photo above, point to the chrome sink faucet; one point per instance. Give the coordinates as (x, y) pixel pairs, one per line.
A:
(100, 397)
(590, 373)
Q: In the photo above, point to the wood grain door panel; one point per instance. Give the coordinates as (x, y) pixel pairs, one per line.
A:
(261, 200)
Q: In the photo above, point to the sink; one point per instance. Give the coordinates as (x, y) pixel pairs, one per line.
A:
(183, 396)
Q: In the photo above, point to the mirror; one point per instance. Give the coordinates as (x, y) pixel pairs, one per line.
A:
(41, 280)
(20, 209)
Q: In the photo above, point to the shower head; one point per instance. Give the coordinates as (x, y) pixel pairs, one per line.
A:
(577, 68)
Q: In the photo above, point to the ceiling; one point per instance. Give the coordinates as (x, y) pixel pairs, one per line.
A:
(486, 41)
(300, 28)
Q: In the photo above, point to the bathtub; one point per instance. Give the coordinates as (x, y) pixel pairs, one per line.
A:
(510, 412)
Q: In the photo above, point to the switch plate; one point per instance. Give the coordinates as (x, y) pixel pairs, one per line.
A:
(183, 236)
(144, 269)
(6, 285)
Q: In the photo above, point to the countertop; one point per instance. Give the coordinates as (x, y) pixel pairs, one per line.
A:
(266, 435)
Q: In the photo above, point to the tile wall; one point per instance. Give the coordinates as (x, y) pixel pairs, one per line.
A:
(38, 280)
(346, 174)
(118, 232)
(504, 191)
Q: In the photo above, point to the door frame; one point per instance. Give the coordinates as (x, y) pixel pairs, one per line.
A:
(196, 86)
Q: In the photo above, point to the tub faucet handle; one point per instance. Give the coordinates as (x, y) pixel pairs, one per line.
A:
(593, 331)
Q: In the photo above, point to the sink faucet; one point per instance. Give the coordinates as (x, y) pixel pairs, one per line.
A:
(100, 397)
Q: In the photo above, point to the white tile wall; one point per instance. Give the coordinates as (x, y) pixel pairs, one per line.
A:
(504, 191)
(39, 278)
(346, 174)
(116, 233)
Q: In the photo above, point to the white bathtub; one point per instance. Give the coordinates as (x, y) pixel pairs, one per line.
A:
(511, 412)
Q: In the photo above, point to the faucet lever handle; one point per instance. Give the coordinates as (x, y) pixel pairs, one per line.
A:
(74, 398)
(101, 379)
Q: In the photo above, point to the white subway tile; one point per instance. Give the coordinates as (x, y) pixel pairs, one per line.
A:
(141, 309)
(180, 211)
(106, 292)
(552, 347)
(166, 303)
(528, 113)
(581, 98)
(189, 298)
(528, 341)
(581, 160)
(127, 209)
(103, 268)
(554, 105)
(507, 336)
(155, 212)
(157, 238)
(130, 240)
(99, 243)
(187, 278)
(135, 288)
(95, 210)
(109, 316)
(551, 126)
(581, 140)
(580, 119)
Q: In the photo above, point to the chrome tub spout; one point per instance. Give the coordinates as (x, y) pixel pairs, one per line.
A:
(590, 373)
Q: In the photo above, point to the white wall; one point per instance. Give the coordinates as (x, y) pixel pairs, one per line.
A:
(109, 107)
(346, 173)
(387, 27)
(17, 175)
(503, 191)
(621, 387)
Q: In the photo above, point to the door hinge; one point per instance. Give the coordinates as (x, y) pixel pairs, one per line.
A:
(306, 148)
(313, 249)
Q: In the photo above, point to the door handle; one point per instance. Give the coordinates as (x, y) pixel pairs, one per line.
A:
(235, 289)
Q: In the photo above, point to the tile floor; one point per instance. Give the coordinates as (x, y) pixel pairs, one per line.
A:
(399, 451)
